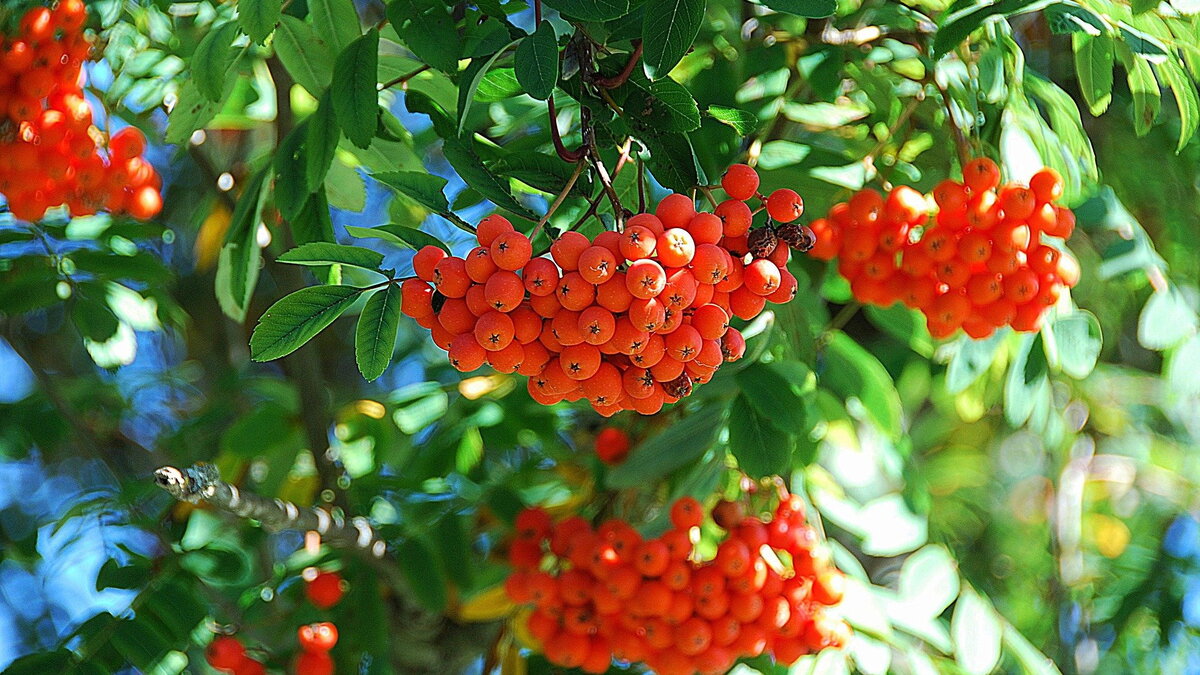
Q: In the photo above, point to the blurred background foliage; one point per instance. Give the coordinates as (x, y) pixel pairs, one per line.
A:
(1025, 503)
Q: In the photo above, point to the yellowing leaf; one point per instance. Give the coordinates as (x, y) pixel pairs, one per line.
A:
(211, 237)
(490, 605)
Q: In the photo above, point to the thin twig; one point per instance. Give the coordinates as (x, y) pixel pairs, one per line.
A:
(909, 109)
(403, 79)
(709, 195)
(606, 181)
(641, 184)
(558, 200)
(843, 316)
(960, 138)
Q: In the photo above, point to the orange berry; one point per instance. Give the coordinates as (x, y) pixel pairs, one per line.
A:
(567, 248)
(450, 277)
(740, 181)
(1047, 185)
(575, 293)
(784, 205)
(981, 174)
(675, 247)
(612, 446)
(675, 210)
(491, 227)
(597, 264)
(687, 512)
(511, 250)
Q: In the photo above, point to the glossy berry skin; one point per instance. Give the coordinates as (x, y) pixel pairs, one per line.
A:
(784, 205)
(317, 637)
(324, 590)
(740, 182)
(314, 663)
(225, 652)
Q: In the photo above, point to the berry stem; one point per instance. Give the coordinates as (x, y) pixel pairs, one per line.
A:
(709, 195)
(843, 316)
(909, 109)
(620, 78)
(606, 181)
(960, 138)
(556, 136)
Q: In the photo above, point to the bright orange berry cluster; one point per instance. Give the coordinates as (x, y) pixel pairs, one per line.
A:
(49, 149)
(629, 320)
(606, 594)
(983, 261)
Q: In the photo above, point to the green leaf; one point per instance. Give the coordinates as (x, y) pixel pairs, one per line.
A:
(498, 84)
(903, 324)
(928, 581)
(375, 336)
(743, 122)
(336, 22)
(454, 550)
(289, 165)
(853, 372)
(1027, 385)
(424, 188)
(297, 318)
(320, 143)
(397, 234)
(472, 170)
(665, 105)
(1147, 97)
(324, 253)
(1078, 341)
(307, 57)
(470, 80)
(775, 390)
(1182, 366)
(425, 26)
(213, 60)
(976, 630)
(1166, 320)
(813, 9)
(1143, 44)
(673, 161)
(423, 573)
(1186, 98)
(679, 445)
(668, 29)
(760, 448)
(536, 62)
(591, 10)
(238, 262)
(258, 17)
(1094, 68)
(192, 111)
(961, 23)
(354, 92)
(971, 360)
(1032, 661)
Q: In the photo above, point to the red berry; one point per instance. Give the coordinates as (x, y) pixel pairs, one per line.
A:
(314, 663)
(324, 590)
(225, 652)
(317, 637)
(784, 205)
(612, 445)
(740, 182)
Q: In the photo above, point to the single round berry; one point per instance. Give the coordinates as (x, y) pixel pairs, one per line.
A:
(740, 181)
(784, 205)
(325, 589)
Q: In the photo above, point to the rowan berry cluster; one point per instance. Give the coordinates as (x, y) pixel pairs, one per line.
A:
(50, 151)
(605, 594)
(986, 258)
(316, 639)
(628, 320)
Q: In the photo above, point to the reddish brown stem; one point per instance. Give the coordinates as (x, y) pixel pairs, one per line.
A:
(620, 78)
(403, 79)
(559, 147)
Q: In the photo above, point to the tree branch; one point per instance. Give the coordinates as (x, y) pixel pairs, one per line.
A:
(202, 482)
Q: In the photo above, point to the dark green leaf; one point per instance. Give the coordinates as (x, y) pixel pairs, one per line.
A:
(760, 448)
(313, 223)
(1067, 17)
(1143, 85)
(743, 122)
(1094, 67)
(354, 92)
(424, 188)
(1143, 44)
(668, 29)
(192, 111)
(114, 575)
(323, 253)
(1026, 386)
(258, 17)
(591, 10)
(673, 161)
(426, 27)
(454, 550)
(813, 9)
(679, 445)
(237, 264)
(664, 105)
(424, 575)
(1079, 341)
(92, 316)
(307, 57)
(336, 22)
(536, 62)
(961, 23)
(297, 318)
(775, 392)
(903, 324)
(213, 60)
(471, 169)
(397, 234)
(321, 140)
(375, 336)
(1166, 320)
(290, 194)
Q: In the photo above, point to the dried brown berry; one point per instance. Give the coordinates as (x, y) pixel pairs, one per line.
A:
(762, 241)
(799, 237)
(678, 387)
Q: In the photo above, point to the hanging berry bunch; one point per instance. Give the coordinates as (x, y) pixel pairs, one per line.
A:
(629, 320)
(51, 154)
(990, 256)
(606, 594)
